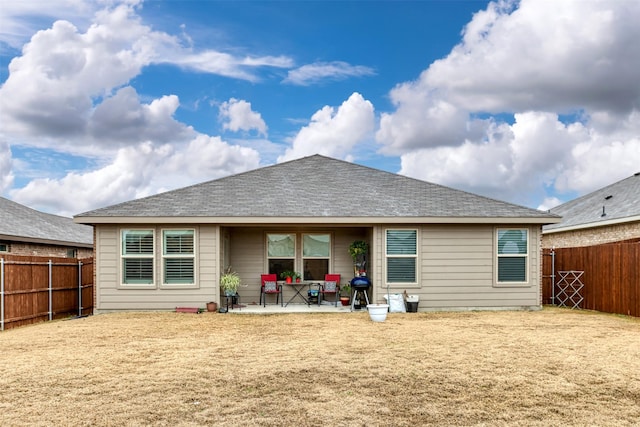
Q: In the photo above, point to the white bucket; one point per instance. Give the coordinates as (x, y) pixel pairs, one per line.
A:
(378, 312)
(413, 298)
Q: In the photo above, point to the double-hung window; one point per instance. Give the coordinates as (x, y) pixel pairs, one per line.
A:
(401, 251)
(512, 254)
(316, 252)
(137, 257)
(281, 252)
(178, 257)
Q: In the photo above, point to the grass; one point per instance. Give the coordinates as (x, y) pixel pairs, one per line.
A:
(552, 367)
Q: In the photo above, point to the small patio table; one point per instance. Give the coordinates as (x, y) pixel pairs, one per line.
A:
(298, 287)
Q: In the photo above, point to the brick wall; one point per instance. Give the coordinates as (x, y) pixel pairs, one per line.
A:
(35, 249)
(592, 236)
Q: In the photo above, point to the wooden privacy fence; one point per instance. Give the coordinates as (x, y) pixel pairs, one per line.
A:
(611, 276)
(36, 289)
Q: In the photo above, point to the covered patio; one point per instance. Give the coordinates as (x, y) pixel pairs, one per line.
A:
(252, 308)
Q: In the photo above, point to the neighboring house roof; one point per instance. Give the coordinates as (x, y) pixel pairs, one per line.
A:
(23, 224)
(614, 204)
(316, 189)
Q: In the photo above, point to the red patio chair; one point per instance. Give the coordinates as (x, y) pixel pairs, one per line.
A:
(269, 286)
(331, 285)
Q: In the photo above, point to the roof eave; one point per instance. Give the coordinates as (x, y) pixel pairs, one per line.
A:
(23, 239)
(615, 221)
(315, 220)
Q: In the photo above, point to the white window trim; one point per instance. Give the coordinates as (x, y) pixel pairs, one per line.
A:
(394, 285)
(295, 249)
(328, 258)
(496, 256)
(123, 285)
(193, 285)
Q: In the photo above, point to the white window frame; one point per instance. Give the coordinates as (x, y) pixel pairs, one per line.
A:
(415, 256)
(164, 256)
(507, 255)
(4, 247)
(124, 256)
(328, 257)
(295, 248)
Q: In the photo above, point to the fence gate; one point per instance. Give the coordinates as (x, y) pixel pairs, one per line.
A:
(569, 286)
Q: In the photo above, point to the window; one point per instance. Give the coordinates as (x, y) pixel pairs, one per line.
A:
(512, 253)
(281, 253)
(72, 253)
(402, 256)
(316, 252)
(137, 257)
(178, 257)
(4, 247)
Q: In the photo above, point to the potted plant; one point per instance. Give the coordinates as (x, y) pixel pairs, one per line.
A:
(358, 251)
(289, 275)
(229, 282)
(345, 294)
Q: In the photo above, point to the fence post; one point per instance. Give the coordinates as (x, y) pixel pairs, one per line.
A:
(1, 294)
(553, 276)
(79, 288)
(50, 291)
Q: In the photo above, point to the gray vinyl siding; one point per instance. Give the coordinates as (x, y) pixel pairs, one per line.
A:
(457, 269)
(112, 296)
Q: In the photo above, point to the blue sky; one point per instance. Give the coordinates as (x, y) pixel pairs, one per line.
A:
(104, 101)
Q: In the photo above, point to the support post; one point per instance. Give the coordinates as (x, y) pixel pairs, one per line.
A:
(553, 276)
(79, 288)
(50, 291)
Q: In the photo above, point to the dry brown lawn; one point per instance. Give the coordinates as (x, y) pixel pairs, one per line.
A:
(552, 367)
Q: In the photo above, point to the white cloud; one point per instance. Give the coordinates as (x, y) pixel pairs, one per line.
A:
(573, 55)
(237, 115)
(137, 171)
(516, 162)
(53, 85)
(334, 132)
(17, 23)
(549, 203)
(123, 119)
(6, 173)
(567, 76)
(227, 65)
(319, 71)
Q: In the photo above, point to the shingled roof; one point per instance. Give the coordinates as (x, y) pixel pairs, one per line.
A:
(316, 187)
(616, 203)
(20, 223)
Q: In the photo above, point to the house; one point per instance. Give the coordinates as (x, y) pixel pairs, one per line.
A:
(454, 249)
(610, 214)
(25, 231)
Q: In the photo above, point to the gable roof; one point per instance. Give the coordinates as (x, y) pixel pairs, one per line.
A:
(23, 224)
(620, 201)
(314, 189)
